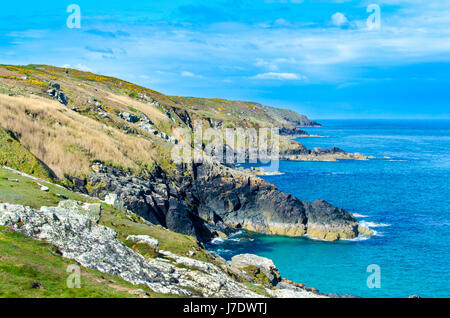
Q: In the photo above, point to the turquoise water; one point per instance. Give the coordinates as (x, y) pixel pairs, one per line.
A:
(407, 194)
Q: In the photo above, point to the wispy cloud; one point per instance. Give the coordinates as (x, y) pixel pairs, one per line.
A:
(279, 76)
(80, 67)
(190, 74)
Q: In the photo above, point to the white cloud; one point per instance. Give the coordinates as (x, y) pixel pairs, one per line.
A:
(33, 34)
(282, 22)
(339, 19)
(190, 74)
(80, 67)
(280, 76)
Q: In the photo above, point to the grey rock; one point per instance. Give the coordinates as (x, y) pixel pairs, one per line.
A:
(91, 210)
(212, 199)
(96, 247)
(144, 239)
(63, 99)
(114, 200)
(265, 265)
(129, 117)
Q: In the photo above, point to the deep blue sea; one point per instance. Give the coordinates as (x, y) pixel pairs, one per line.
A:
(405, 190)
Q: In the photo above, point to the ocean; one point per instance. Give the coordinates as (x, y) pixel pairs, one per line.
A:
(404, 191)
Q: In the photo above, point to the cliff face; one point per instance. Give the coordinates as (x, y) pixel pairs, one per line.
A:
(213, 200)
(248, 202)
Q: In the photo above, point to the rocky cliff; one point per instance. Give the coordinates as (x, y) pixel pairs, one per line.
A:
(209, 200)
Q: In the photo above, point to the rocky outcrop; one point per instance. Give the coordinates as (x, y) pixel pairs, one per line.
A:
(292, 132)
(209, 200)
(78, 237)
(153, 197)
(298, 152)
(129, 117)
(90, 210)
(261, 268)
(262, 271)
(94, 246)
(243, 201)
(57, 94)
(145, 239)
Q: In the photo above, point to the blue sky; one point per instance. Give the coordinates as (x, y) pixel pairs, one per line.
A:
(317, 57)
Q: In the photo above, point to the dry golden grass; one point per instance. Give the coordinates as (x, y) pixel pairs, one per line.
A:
(153, 113)
(67, 141)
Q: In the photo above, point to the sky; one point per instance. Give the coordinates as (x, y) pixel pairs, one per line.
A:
(321, 58)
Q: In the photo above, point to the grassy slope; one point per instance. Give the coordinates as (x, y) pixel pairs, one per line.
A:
(17, 251)
(18, 189)
(16, 156)
(24, 262)
(62, 133)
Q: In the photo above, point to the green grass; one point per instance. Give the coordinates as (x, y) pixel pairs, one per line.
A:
(170, 241)
(14, 155)
(25, 262)
(18, 189)
(257, 275)
(22, 190)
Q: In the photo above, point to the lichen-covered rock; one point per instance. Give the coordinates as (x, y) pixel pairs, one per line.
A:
(94, 246)
(144, 239)
(92, 211)
(114, 200)
(257, 266)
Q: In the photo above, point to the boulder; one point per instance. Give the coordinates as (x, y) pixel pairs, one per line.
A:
(63, 99)
(129, 117)
(114, 200)
(364, 230)
(144, 239)
(90, 210)
(257, 266)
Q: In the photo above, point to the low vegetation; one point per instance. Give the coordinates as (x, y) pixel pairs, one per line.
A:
(31, 268)
(23, 190)
(13, 154)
